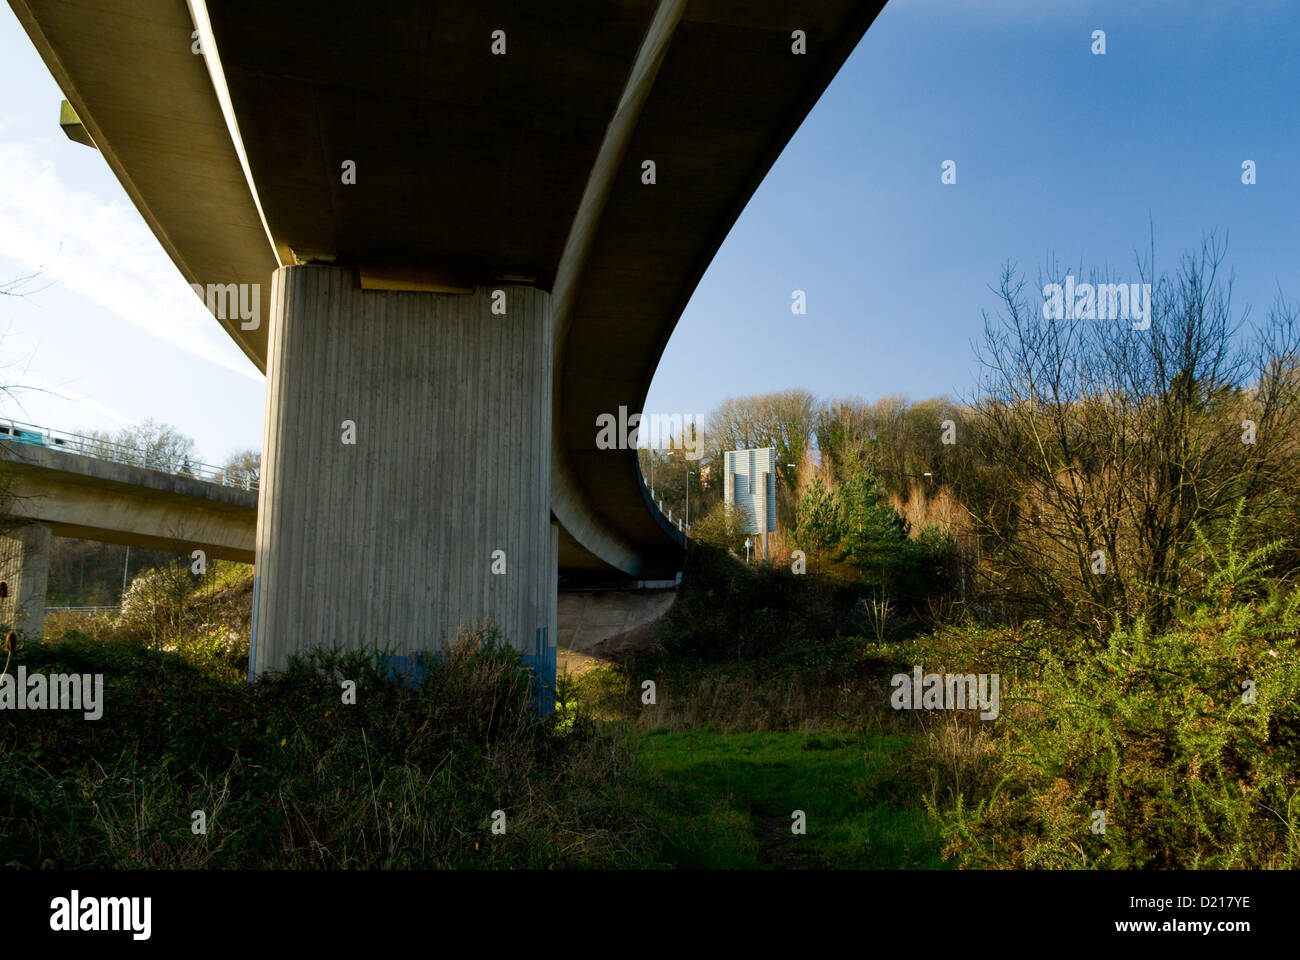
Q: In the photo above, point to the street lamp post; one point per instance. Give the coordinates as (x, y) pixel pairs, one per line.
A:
(688, 500)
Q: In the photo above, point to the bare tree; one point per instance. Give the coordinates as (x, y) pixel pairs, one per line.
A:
(786, 420)
(1113, 442)
(902, 440)
(159, 446)
(240, 466)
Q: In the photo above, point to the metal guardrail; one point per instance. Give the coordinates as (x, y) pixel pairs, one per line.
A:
(82, 609)
(99, 449)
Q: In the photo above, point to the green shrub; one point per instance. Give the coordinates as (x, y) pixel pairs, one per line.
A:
(204, 619)
(855, 523)
(727, 609)
(1188, 741)
(154, 605)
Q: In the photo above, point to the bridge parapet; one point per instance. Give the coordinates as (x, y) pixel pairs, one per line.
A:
(31, 434)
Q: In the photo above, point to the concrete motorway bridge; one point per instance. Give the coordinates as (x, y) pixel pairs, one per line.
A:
(464, 231)
(61, 485)
(58, 484)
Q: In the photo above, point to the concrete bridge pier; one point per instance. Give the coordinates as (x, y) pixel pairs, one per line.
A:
(24, 570)
(405, 486)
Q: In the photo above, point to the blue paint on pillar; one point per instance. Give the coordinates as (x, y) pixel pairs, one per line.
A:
(252, 633)
(410, 671)
(541, 664)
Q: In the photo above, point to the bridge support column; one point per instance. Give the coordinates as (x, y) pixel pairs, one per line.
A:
(24, 570)
(405, 486)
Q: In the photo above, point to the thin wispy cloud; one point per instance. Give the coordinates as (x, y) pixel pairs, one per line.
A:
(34, 382)
(104, 252)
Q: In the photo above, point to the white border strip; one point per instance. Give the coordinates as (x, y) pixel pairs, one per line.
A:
(208, 44)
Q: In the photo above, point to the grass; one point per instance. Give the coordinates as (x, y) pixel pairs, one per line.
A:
(838, 686)
(289, 777)
(707, 776)
(726, 801)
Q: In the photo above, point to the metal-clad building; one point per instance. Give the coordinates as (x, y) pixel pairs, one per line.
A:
(751, 486)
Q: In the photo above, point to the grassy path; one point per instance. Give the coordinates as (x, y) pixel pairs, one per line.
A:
(726, 801)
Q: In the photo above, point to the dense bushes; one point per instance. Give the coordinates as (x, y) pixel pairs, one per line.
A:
(1187, 740)
(852, 522)
(204, 619)
(727, 609)
(290, 776)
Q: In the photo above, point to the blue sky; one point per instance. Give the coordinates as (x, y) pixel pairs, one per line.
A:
(1057, 151)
